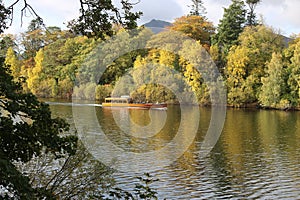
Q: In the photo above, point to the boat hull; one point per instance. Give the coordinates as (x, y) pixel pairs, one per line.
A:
(136, 105)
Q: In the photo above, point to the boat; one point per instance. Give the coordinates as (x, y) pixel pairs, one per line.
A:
(126, 101)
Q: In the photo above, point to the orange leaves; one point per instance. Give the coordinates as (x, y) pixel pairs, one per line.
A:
(196, 27)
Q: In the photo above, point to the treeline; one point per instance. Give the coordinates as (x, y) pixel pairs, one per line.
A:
(258, 66)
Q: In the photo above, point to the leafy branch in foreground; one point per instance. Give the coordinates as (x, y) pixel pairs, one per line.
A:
(77, 176)
(142, 190)
(26, 131)
(98, 17)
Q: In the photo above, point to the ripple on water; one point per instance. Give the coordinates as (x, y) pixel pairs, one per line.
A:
(256, 157)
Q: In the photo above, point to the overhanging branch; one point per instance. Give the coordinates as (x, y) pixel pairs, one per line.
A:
(26, 7)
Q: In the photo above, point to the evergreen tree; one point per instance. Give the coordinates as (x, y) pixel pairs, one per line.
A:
(228, 31)
(231, 25)
(197, 8)
(251, 16)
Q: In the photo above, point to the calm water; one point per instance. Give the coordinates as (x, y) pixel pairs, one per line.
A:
(256, 156)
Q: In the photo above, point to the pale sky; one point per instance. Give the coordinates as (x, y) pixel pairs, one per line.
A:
(280, 14)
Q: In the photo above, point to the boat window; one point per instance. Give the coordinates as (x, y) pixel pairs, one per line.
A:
(117, 101)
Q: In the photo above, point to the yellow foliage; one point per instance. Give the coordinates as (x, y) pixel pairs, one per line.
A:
(12, 61)
(196, 27)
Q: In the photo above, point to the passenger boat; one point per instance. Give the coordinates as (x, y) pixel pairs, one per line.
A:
(126, 101)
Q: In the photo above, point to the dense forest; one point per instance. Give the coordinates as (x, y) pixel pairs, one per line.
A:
(258, 66)
(40, 157)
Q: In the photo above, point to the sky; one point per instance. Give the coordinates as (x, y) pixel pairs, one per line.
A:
(283, 15)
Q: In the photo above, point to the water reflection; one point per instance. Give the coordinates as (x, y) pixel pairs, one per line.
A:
(257, 155)
(114, 138)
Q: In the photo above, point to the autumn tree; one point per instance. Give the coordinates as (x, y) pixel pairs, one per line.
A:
(36, 77)
(195, 27)
(12, 60)
(105, 63)
(28, 133)
(6, 41)
(273, 84)
(263, 41)
(294, 77)
(54, 72)
(33, 39)
(247, 63)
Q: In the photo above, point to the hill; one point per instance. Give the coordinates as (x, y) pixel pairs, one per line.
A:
(157, 25)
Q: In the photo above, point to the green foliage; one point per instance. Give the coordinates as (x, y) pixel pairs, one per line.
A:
(108, 61)
(103, 91)
(26, 130)
(273, 87)
(32, 39)
(246, 63)
(251, 16)
(4, 13)
(6, 42)
(156, 83)
(228, 31)
(77, 176)
(231, 25)
(54, 72)
(97, 18)
(85, 91)
(119, 67)
(294, 75)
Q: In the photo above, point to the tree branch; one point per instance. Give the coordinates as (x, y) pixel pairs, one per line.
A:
(23, 11)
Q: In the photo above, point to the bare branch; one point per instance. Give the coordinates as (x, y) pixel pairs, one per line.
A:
(26, 7)
(136, 2)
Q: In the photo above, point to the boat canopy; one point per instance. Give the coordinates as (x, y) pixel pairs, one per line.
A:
(118, 100)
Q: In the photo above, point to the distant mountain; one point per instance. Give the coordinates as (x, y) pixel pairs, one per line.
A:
(286, 40)
(157, 25)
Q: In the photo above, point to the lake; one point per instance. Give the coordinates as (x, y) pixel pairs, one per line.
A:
(256, 156)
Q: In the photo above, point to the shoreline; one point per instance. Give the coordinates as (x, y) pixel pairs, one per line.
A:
(255, 106)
